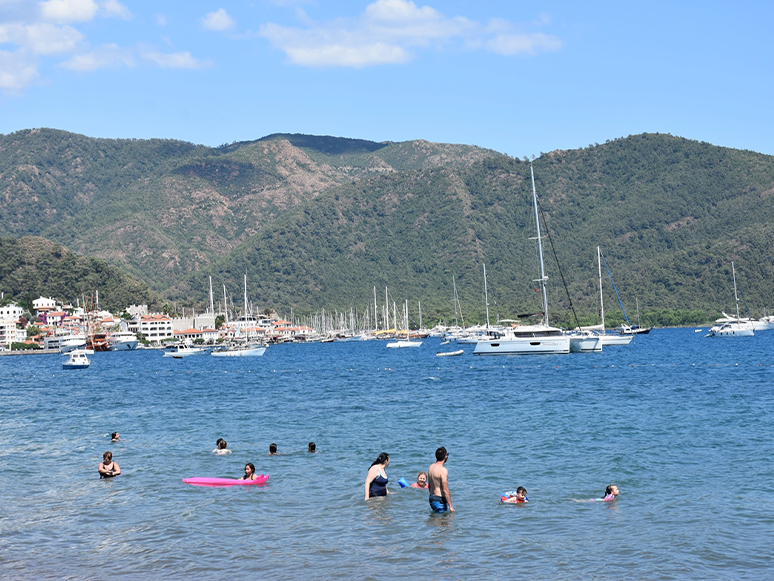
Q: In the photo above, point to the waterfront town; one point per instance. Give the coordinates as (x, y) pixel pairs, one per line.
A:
(52, 325)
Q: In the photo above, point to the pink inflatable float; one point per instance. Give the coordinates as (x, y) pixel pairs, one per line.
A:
(205, 481)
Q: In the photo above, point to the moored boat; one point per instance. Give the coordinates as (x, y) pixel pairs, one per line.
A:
(76, 359)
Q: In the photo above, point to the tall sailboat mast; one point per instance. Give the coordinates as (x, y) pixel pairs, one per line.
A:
(601, 301)
(486, 299)
(736, 298)
(542, 279)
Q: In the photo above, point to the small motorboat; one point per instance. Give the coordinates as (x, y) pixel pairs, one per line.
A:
(450, 353)
(76, 359)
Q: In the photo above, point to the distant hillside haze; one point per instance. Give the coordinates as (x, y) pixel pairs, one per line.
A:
(318, 222)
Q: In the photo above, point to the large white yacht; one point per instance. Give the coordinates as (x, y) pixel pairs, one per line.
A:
(733, 327)
(541, 339)
(122, 341)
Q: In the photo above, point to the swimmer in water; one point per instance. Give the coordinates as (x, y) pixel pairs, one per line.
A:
(249, 472)
(108, 468)
(221, 447)
(114, 437)
(312, 448)
(376, 480)
(421, 481)
(611, 493)
(273, 450)
(518, 498)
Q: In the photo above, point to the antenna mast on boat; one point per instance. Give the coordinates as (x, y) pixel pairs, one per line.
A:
(542, 279)
(486, 299)
(454, 284)
(736, 298)
(376, 309)
(225, 304)
(601, 301)
(212, 304)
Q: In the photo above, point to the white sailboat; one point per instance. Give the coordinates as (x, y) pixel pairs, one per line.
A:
(408, 342)
(540, 339)
(599, 330)
(737, 328)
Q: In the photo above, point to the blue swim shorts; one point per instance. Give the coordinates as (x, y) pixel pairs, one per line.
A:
(438, 503)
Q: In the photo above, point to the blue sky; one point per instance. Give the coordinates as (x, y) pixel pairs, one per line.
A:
(518, 77)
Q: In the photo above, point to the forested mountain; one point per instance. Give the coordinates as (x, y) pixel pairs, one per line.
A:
(162, 209)
(318, 222)
(31, 267)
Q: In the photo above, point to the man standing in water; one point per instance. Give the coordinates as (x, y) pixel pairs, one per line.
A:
(438, 483)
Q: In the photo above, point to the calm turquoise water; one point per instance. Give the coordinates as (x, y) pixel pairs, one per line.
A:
(682, 424)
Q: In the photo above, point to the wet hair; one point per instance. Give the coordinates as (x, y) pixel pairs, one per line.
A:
(441, 453)
(221, 444)
(107, 457)
(422, 474)
(609, 490)
(272, 448)
(312, 447)
(252, 467)
(521, 490)
(114, 436)
(383, 457)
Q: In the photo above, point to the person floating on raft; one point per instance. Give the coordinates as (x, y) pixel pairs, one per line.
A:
(517, 496)
(611, 493)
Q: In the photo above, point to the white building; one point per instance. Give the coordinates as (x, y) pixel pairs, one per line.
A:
(11, 311)
(43, 305)
(8, 333)
(156, 328)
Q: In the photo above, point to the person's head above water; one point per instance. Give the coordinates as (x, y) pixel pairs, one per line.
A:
(249, 469)
(114, 436)
(611, 490)
(441, 454)
(521, 493)
(312, 447)
(422, 478)
(107, 457)
(272, 449)
(382, 460)
(221, 444)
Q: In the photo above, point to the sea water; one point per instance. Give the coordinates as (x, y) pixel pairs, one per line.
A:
(682, 424)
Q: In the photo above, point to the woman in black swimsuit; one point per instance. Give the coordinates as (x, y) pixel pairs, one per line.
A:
(108, 468)
(376, 481)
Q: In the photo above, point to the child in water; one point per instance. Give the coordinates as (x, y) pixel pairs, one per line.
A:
(611, 493)
(221, 447)
(518, 497)
(421, 481)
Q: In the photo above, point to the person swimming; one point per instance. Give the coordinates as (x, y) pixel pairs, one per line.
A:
(273, 450)
(515, 497)
(312, 448)
(108, 468)
(421, 481)
(249, 472)
(114, 437)
(221, 447)
(376, 479)
(611, 493)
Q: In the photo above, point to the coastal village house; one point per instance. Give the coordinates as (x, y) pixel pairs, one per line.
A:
(156, 328)
(42, 306)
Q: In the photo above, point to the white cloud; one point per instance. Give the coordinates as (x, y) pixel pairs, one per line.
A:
(69, 10)
(219, 21)
(41, 38)
(103, 57)
(391, 31)
(512, 44)
(176, 60)
(161, 20)
(18, 70)
(113, 8)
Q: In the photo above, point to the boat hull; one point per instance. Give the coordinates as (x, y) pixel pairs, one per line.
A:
(524, 346)
(404, 344)
(616, 339)
(589, 344)
(257, 352)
